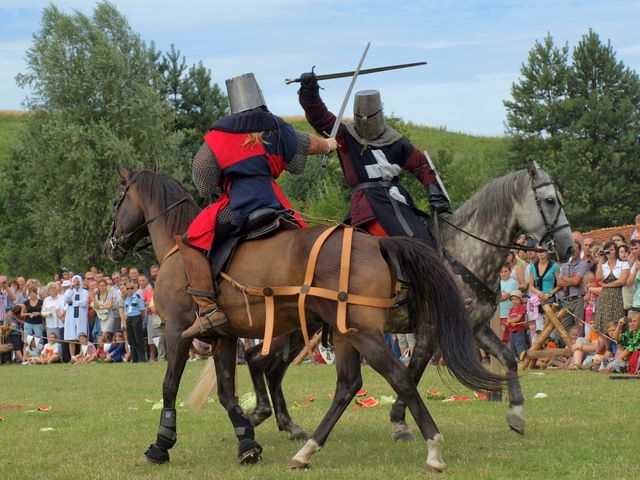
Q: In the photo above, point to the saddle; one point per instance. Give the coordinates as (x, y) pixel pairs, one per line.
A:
(262, 222)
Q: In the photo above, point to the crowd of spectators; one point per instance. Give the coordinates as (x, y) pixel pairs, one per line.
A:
(81, 319)
(598, 287)
(97, 317)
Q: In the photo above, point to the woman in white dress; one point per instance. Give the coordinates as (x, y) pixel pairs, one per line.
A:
(103, 305)
(50, 307)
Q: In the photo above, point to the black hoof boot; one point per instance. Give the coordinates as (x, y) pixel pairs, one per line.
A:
(249, 451)
(156, 455)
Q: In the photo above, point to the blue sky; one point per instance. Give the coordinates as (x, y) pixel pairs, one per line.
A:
(474, 48)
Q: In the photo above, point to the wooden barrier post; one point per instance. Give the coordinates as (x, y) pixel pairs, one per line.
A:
(302, 355)
(552, 323)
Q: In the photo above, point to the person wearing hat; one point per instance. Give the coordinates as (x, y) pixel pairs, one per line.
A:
(242, 155)
(517, 324)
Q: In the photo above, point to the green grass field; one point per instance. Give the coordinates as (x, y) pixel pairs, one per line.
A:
(587, 427)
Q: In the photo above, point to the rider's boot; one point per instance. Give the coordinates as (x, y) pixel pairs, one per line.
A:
(210, 315)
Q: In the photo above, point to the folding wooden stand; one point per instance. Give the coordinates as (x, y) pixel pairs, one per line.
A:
(552, 323)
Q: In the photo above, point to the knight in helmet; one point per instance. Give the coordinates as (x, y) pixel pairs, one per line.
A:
(242, 154)
(372, 156)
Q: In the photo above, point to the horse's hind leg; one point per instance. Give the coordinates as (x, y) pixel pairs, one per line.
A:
(177, 354)
(488, 340)
(274, 366)
(424, 348)
(249, 451)
(382, 360)
(348, 383)
(419, 360)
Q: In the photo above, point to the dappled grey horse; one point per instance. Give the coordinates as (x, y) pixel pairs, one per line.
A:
(526, 200)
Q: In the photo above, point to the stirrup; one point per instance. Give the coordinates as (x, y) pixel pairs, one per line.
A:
(198, 327)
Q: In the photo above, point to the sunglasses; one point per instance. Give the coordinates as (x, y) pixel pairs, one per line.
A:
(130, 288)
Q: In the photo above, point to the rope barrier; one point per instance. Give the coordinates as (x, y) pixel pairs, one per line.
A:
(58, 340)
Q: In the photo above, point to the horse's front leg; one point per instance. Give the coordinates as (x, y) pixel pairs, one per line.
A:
(489, 341)
(249, 451)
(177, 351)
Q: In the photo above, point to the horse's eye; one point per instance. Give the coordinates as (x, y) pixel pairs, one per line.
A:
(550, 201)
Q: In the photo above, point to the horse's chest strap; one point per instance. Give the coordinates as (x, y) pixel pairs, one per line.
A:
(342, 295)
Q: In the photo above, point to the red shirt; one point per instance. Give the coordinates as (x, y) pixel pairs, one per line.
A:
(515, 312)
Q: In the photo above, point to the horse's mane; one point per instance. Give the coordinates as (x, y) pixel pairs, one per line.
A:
(497, 196)
(163, 191)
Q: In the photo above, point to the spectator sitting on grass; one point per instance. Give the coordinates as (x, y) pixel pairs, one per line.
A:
(87, 350)
(605, 350)
(581, 347)
(628, 342)
(116, 350)
(52, 351)
(32, 350)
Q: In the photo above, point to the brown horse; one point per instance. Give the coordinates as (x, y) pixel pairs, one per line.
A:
(158, 206)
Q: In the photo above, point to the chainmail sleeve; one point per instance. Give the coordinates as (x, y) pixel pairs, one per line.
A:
(205, 171)
(299, 160)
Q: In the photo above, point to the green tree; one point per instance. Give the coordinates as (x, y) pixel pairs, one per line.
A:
(581, 121)
(96, 101)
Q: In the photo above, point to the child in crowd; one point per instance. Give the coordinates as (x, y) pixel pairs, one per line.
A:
(52, 351)
(628, 338)
(517, 324)
(507, 285)
(32, 350)
(605, 351)
(581, 346)
(100, 352)
(115, 352)
(87, 351)
(590, 300)
(535, 320)
(14, 323)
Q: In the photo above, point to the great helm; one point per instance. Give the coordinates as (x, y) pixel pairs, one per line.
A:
(244, 93)
(368, 118)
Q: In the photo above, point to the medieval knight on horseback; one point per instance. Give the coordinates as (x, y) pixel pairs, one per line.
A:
(243, 154)
(372, 156)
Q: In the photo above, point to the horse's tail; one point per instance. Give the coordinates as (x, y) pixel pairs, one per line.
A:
(437, 298)
(204, 386)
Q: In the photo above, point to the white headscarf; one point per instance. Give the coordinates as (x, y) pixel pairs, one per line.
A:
(79, 278)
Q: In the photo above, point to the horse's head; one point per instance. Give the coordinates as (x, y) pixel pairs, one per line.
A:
(129, 224)
(542, 214)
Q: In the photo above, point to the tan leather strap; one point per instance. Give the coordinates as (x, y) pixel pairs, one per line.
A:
(342, 296)
(171, 251)
(343, 285)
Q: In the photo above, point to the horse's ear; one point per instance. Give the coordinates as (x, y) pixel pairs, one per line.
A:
(124, 174)
(155, 167)
(532, 167)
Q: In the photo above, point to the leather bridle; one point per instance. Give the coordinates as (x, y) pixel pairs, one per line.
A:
(121, 243)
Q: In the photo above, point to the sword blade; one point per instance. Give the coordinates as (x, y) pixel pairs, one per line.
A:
(331, 76)
(336, 124)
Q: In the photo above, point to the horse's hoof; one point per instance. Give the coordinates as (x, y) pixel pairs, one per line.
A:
(298, 464)
(154, 456)
(404, 436)
(516, 423)
(296, 433)
(249, 452)
(434, 467)
(402, 433)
